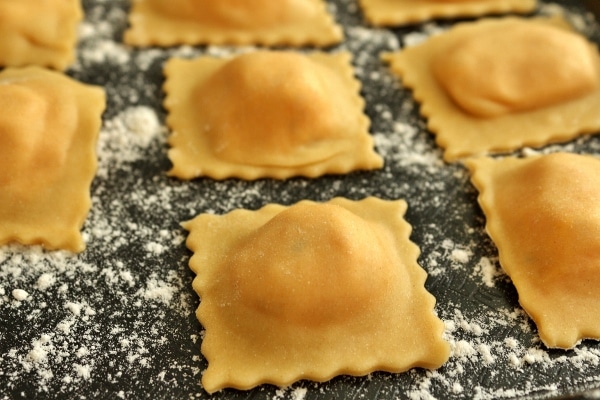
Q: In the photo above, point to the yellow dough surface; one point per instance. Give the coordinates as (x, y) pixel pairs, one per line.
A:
(543, 215)
(39, 32)
(266, 114)
(311, 291)
(485, 85)
(49, 126)
(498, 85)
(404, 12)
(233, 22)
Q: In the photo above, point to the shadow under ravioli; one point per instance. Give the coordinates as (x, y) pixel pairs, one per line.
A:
(501, 84)
(311, 291)
(40, 33)
(266, 114)
(49, 126)
(543, 215)
(234, 22)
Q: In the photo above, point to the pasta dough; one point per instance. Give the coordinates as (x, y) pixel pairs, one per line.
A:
(542, 213)
(266, 114)
(39, 32)
(541, 85)
(49, 125)
(403, 12)
(234, 22)
(311, 291)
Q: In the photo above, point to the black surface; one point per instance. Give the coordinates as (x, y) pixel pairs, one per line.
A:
(126, 327)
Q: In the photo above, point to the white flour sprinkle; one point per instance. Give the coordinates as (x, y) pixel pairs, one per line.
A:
(142, 122)
(460, 255)
(20, 294)
(83, 371)
(488, 271)
(45, 281)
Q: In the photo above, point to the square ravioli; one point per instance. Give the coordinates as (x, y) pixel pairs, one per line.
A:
(232, 22)
(542, 214)
(39, 32)
(273, 114)
(404, 12)
(501, 84)
(49, 126)
(311, 291)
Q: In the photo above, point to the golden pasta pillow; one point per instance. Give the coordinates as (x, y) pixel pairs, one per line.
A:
(311, 291)
(233, 22)
(404, 12)
(39, 32)
(49, 126)
(266, 114)
(499, 85)
(543, 214)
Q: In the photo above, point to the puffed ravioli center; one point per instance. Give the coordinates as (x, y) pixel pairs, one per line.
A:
(306, 279)
(301, 118)
(35, 155)
(516, 68)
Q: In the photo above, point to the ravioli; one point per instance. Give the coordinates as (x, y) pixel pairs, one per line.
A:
(311, 291)
(498, 85)
(233, 22)
(49, 126)
(263, 114)
(542, 213)
(39, 32)
(404, 12)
